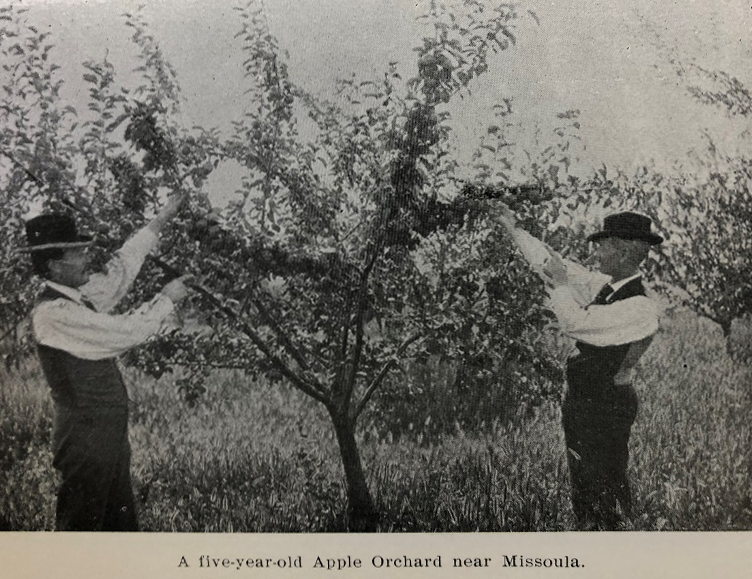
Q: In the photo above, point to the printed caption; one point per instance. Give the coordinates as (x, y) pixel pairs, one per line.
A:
(350, 562)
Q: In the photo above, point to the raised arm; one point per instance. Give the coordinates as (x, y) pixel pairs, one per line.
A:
(544, 261)
(167, 214)
(106, 290)
(533, 250)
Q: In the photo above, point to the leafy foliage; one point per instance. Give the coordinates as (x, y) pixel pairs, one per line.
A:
(353, 257)
(313, 271)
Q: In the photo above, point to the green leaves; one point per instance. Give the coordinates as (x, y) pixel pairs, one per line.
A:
(346, 250)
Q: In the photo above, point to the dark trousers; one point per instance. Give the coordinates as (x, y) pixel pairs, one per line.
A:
(92, 454)
(597, 425)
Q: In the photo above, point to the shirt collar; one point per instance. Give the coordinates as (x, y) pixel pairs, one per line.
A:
(67, 291)
(622, 282)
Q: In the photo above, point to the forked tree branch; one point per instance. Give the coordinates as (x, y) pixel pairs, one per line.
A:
(313, 390)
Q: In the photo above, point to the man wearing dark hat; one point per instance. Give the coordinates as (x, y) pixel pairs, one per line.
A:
(78, 343)
(612, 321)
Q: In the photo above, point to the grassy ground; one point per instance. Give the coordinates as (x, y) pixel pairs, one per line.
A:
(255, 458)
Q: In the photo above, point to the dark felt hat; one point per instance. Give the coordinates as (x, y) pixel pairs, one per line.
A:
(627, 225)
(53, 230)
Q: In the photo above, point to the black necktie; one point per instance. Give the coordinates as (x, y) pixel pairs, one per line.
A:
(603, 295)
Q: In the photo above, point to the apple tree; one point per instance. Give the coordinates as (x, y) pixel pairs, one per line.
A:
(350, 247)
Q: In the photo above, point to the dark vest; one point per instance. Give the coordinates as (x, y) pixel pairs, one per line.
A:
(594, 366)
(79, 383)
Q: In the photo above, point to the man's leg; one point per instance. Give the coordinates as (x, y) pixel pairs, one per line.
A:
(87, 457)
(624, 416)
(120, 513)
(596, 431)
(580, 454)
(612, 429)
(81, 500)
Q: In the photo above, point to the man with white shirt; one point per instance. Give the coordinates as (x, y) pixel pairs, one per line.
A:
(613, 322)
(78, 342)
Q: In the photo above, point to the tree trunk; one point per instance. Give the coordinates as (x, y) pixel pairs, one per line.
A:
(361, 512)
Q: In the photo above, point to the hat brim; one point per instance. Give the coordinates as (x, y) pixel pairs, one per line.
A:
(83, 241)
(650, 238)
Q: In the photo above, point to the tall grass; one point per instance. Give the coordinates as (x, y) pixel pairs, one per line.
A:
(27, 479)
(255, 458)
(692, 451)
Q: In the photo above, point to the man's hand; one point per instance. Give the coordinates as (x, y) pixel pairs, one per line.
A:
(176, 290)
(168, 212)
(554, 269)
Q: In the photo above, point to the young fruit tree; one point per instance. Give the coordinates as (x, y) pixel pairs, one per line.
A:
(315, 261)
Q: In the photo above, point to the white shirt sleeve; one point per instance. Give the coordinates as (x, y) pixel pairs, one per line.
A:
(84, 333)
(105, 290)
(583, 283)
(621, 322)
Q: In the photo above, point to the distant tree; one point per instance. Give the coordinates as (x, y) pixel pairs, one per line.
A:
(718, 208)
(703, 205)
(37, 149)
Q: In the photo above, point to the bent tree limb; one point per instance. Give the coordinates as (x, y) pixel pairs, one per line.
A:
(313, 390)
(362, 303)
(23, 168)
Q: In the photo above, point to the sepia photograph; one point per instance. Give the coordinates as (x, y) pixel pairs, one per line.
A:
(376, 287)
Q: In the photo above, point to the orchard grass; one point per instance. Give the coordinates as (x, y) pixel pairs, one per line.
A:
(251, 457)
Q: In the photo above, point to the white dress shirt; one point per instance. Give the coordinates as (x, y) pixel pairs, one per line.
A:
(625, 321)
(71, 326)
